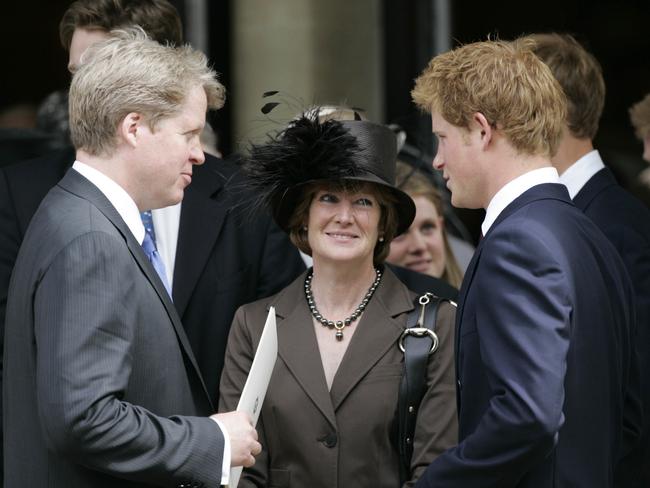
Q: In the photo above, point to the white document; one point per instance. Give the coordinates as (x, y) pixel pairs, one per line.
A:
(252, 396)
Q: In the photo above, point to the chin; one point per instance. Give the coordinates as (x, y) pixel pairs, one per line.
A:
(168, 202)
(340, 258)
(176, 198)
(457, 201)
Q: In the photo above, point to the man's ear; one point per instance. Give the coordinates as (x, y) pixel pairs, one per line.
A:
(486, 131)
(130, 129)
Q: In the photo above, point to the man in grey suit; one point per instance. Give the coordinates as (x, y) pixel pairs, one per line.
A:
(101, 388)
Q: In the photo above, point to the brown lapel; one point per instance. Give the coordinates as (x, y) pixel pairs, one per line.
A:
(298, 348)
(377, 332)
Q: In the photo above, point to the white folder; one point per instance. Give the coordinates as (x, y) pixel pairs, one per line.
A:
(252, 396)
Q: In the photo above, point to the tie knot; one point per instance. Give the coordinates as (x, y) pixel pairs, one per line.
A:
(147, 221)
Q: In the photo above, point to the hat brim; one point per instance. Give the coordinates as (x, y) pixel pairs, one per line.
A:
(404, 206)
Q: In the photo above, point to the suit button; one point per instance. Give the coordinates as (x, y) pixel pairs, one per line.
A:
(459, 385)
(329, 440)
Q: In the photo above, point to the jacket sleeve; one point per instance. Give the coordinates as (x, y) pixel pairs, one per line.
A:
(86, 315)
(520, 319)
(436, 428)
(240, 353)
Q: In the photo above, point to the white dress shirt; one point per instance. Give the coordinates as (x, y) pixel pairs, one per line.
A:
(166, 222)
(513, 189)
(577, 175)
(129, 212)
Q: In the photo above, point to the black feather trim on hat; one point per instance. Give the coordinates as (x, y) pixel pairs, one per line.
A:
(307, 150)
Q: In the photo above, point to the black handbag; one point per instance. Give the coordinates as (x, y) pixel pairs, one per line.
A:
(418, 342)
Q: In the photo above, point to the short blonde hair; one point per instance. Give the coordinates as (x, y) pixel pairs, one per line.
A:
(507, 83)
(580, 76)
(640, 117)
(131, 73)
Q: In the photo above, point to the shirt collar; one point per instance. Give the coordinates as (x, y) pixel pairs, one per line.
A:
(115, 194)
(577, 175)
(513, 189)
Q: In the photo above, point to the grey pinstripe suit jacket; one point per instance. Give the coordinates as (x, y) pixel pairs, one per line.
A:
(100, 386)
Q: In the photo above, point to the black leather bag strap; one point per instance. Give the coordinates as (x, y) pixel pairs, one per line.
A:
(418, 342)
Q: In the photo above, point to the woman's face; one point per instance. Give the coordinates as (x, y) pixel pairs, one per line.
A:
(343, 226)
(422, 247)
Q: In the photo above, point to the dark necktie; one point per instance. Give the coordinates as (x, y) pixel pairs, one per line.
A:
(150, 250)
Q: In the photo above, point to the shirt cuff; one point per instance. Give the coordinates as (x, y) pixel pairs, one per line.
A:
(225, 465)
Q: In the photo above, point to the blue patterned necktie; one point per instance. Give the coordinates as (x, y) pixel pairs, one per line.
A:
(150, 250)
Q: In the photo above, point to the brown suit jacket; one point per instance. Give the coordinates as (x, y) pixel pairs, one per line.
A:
(343, 437)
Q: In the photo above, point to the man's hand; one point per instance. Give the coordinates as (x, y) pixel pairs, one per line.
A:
(243, 438)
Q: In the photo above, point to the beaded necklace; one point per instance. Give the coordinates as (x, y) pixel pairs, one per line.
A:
(339, 324)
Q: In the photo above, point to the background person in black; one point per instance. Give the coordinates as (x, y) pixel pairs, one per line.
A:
(621, 217)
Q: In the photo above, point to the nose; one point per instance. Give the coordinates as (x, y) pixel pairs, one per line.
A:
(196, 153)
(416, 243)
(344, 212)
(437, 162)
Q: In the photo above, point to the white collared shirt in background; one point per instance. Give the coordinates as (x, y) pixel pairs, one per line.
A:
(577, 175)
(166, 222)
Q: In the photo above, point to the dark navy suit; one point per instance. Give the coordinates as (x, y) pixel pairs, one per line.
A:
(626, 223)
(542, 352)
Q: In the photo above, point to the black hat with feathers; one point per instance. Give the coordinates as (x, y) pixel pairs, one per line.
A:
(310, 151)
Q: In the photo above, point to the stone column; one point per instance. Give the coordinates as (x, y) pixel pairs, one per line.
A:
(311, 51)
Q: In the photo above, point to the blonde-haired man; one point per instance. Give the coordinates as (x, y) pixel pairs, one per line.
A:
(101, 386)
(621, 217)
(537, 320)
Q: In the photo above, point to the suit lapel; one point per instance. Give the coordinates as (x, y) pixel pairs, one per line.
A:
(77, 184)
(202, 217)
(377, 332)
(467, 281)
(298, 347)
(465, 285)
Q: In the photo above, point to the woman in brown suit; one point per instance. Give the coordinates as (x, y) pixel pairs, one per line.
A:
(329, 416)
